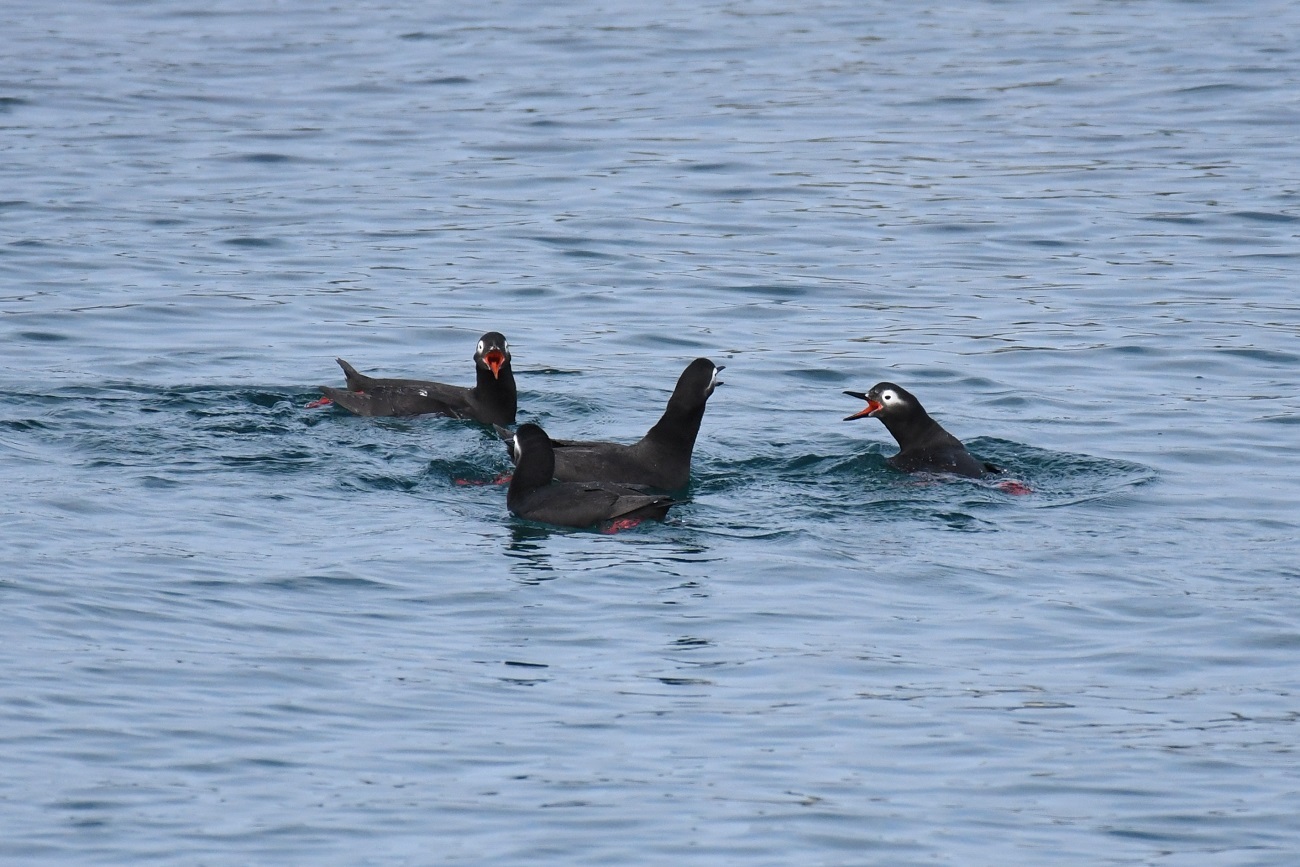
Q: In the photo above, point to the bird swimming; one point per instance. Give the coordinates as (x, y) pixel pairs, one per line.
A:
(924, 446)
(535, 495)
(660, 459)
(491, 400)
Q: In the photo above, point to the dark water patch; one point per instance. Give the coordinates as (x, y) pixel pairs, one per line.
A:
(740, 194)
(276, 460)
(24, 425)
(715, 167)
(664, 375)
(819, 375)
(957, 379)
(1137, 349)
(943, 101)
(539, 93)
(1217, 89)
(963, 522)
(549, 371)
(445, 81)
(379, 481)
(252, 242)
(951, 228)
(559, 240)
(327, 582)
(265, 158)
(589, 254)
(1008, 401)
(1266, 217)
(370, 88)
(76, 805)
(9, 103)
(1177, 219)
(684, 681)
(1265, 256)
(771, 290)
(1269, 356)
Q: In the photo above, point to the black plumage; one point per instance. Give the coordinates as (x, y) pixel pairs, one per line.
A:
(491, 400)
(924, 446)
(662, 458)
(535, 496)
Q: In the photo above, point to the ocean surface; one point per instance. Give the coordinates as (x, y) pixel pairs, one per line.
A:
(239, 630)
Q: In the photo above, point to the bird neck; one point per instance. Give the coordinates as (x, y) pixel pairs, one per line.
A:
(678, 426)
(535, 470)
(914, 429)
(486, 383)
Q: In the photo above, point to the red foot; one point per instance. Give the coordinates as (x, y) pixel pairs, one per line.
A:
(1017, 489)
(324, 401)
(621, 524)
(503, 479)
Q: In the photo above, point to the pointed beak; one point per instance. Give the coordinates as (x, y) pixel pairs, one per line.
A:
(872, 407)
(494, 359)
(716, 382)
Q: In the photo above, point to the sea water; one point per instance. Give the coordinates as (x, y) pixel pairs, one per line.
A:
(238, 630)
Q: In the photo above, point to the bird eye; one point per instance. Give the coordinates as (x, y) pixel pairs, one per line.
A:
(480, 347)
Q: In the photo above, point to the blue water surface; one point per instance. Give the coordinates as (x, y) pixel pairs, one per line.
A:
(238, 630)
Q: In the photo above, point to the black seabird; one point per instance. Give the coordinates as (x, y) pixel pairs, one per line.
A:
(492, 399)
(923, 445)
(535, 496)
(660, 459)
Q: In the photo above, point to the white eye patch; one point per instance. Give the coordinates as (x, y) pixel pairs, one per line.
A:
(888, 396)
(480, 347)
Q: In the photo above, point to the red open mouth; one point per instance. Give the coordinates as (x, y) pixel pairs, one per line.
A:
(494, 359)
(871, 407)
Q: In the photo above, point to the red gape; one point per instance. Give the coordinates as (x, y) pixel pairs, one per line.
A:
(494, 360)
